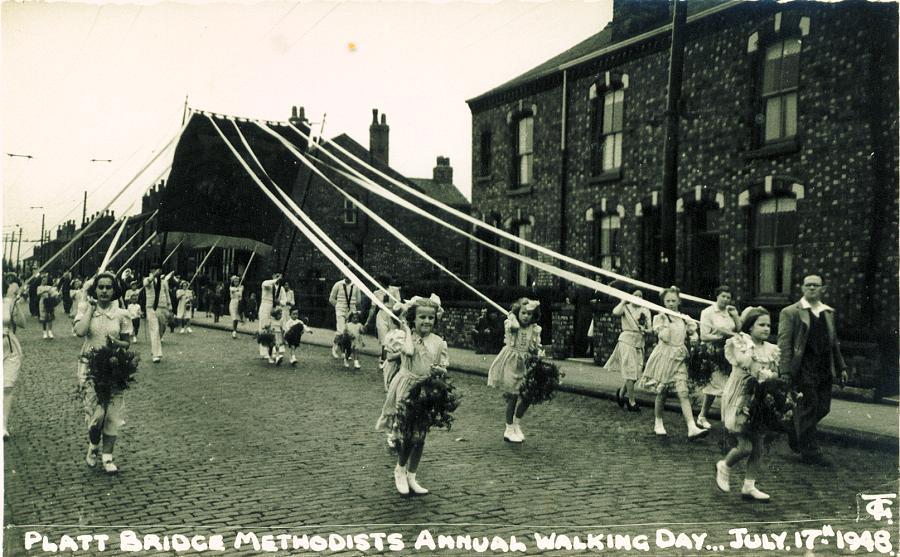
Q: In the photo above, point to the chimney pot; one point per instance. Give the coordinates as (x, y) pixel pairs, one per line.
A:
(374, 116)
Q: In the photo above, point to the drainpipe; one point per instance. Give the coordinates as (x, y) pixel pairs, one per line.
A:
(563, 170)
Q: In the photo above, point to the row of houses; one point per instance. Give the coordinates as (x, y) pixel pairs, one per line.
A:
(787, 166)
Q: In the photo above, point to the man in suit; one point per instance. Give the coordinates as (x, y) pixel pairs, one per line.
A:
(811, 357)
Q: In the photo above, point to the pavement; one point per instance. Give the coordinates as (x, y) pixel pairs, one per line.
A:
(874, 425)
(220, 443)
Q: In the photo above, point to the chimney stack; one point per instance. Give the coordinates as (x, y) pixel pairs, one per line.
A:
(378, 137)
(298, 119)
(443, 172)
(633, 17)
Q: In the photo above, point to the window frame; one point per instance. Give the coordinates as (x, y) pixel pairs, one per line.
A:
(518, 153)
(614, 249)
(780, 93)
(783, 268)
(608, 84)
(485, 145)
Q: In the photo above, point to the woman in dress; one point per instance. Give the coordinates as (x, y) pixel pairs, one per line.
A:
(718, 323)
(235, 293)
(101, 323)
(13, 317)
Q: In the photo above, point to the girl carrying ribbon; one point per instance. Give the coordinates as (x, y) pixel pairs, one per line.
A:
(421, 355)
(522, 336)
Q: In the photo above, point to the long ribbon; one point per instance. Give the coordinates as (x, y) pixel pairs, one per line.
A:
(96, 242)
(502, 233)
(300, 226)
(112, 246)
(171, 253)
(568, 275)
(137, 251)
(108, 205)
(309, 222)
(247, 268)
(202, 263)
(132, 237)
(383, 223)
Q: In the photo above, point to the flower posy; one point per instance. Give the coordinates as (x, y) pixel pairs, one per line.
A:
(111, 371)
(541, 380)
(430, 404)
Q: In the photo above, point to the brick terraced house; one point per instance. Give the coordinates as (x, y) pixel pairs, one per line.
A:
(787, 164)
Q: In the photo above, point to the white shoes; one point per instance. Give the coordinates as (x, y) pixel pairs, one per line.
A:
(659, 428)
(190, 330)
(400, 479)
(91, 457)
(293, 360)
(695, 432)
(722, 475)
(518, 429)
(510, 435)
(356, 364)
(703, 422)
(334, 352)
(749, 491)
(108, 465)
(181, 331)
(233, 334)
(50, 334)
(45, 335)
(414, 485)
(346, 362)
(271, 359)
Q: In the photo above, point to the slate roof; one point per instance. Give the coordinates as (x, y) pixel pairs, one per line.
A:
(445, 193)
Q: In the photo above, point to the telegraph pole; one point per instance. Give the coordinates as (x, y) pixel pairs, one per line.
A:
(670, 162)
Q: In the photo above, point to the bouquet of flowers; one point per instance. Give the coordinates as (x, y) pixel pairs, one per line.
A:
(293, 335)
(345, 343)
(266, 338)
(111, 370)
(771, 409)
(541, 379)
(430, 404)
(50, 303)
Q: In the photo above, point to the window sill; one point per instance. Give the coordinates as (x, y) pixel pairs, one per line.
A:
(784, 147)
(524, 190)
(608, 176)
(483, 179)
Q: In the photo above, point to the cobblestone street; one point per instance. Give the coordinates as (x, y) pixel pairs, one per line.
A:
(217, 441)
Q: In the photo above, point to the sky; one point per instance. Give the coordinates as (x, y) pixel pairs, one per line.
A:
(83, 81)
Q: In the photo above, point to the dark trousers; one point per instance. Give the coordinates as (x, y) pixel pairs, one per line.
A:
(136, 325)
(815, 387)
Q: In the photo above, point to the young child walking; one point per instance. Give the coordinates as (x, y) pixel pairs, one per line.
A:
(422, 353)
(354, 328)
(48, 296)
(521, 337)
(294, 328)
(667, 366)
(751, 358)
(185, 298)
(235, 292)
(276, 351)
(134, 311)
(628, 356)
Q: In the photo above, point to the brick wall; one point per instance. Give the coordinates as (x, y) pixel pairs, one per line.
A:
(846, 130)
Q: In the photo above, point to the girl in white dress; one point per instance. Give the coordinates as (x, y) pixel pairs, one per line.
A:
(185, 298)
(522, 336)
(667, 365)
(235, 293)
(628, 356)
(421, 354)
(752, 358)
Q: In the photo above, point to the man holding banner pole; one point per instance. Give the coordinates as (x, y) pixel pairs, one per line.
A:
(159, 307)
(345, 298)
